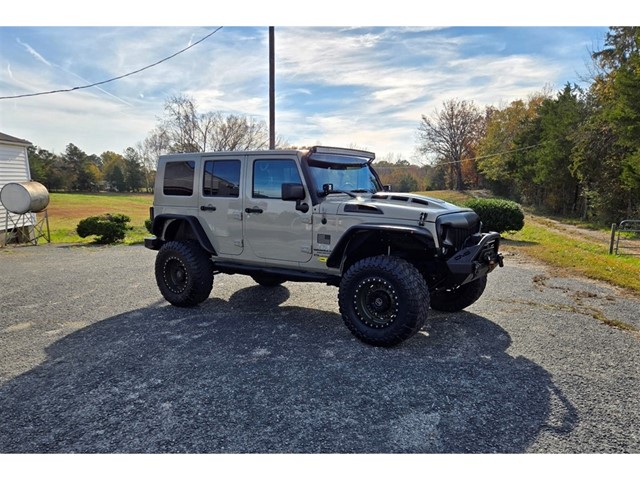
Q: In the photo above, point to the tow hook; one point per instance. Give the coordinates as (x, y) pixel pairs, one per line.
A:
(494, 259)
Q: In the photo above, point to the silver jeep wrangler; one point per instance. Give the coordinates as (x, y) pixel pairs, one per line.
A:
(317, 215)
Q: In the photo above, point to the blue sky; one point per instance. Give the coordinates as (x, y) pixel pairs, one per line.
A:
(364, 86)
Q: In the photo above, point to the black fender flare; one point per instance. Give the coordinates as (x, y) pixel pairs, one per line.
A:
(357, 235)
(161, 224)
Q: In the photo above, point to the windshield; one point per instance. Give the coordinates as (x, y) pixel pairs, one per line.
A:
(351, 174)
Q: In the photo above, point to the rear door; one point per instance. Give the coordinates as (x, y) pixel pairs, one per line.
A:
(220, 203)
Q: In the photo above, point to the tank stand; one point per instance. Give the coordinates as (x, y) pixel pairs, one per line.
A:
(25, 228)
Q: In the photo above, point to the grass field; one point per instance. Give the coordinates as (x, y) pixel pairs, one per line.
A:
(67, 209)
(554, 243)
(576, 250)
(452, 196)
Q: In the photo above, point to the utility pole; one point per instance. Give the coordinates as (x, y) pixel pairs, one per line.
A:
(272, 91)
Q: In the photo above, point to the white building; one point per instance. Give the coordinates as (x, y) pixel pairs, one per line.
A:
(14, 167)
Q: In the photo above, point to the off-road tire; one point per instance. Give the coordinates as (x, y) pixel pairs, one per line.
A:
(383, 300)
(184, 273)
(267, 280)
(459, 298)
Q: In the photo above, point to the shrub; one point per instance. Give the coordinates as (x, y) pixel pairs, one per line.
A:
(108, 228)
(148, 224)
(497, 215)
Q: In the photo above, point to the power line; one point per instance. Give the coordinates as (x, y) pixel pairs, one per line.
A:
(114, 78)
(438, 164)
(508, 151)
(487, 156)
(425, 164)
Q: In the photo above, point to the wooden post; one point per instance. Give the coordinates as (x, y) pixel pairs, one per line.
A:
(613, 236)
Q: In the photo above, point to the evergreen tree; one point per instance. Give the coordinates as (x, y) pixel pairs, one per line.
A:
(616, 89)
(113, 171)
(133, 170)
(81, 176)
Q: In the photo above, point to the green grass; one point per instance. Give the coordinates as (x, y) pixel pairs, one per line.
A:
(578, 255)
(540, 238)
(451, 196)
(563, 248)
(67, 209)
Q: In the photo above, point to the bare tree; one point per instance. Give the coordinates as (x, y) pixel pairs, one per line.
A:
(182, 124)
(190, 131)
(452, 135)
(149, 150)
(235, 132)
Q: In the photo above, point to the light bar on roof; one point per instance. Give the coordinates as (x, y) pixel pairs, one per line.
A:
(343, 151)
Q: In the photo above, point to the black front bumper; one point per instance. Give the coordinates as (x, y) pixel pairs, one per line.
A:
(477, 258)
(153, 243)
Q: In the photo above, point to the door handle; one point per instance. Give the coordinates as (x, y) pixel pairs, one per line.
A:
(253, 210)
(209, 208)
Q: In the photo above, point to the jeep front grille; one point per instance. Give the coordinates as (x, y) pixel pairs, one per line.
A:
(454, 228)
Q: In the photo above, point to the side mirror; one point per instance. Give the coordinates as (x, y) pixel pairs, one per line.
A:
(386, 188)
(293, 191)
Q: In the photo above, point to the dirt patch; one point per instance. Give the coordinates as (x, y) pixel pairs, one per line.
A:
(599, 236)
(627, 245)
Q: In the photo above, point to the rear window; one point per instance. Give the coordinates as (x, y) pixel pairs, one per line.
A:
(221, 178)
(178, 178)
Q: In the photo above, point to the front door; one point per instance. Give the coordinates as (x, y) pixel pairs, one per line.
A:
(273, 228)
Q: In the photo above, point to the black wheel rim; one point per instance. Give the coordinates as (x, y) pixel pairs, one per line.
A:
(175, 275)
(376, 302)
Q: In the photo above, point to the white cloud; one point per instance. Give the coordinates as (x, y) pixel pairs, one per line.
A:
(389, 95)
(340, 86)
(33, 53)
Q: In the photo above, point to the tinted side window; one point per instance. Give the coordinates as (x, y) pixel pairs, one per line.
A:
(269, 175)
(178, 178)
(221, 178)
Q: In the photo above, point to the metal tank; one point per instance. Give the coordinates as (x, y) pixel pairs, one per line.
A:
(23, 197)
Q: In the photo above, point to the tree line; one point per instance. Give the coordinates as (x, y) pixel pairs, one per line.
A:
(77, 171)
(574, 152)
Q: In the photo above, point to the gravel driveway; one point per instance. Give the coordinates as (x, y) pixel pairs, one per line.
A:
(92, 359)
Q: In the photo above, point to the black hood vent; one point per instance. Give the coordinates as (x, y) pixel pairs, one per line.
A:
(359, 208)
(400, 198)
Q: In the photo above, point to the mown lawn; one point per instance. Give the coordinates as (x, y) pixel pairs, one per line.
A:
(566, 249)
(561, 248)
(67, 209)
(575, 253)
(452, 196)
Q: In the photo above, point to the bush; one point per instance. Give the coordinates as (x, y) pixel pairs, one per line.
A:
(108, 228)
(497, 215)
(148, 224)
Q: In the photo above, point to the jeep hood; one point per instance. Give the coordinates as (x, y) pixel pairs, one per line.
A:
(400, 206)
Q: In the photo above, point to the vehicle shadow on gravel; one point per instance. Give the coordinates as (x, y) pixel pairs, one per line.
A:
(252, 375)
